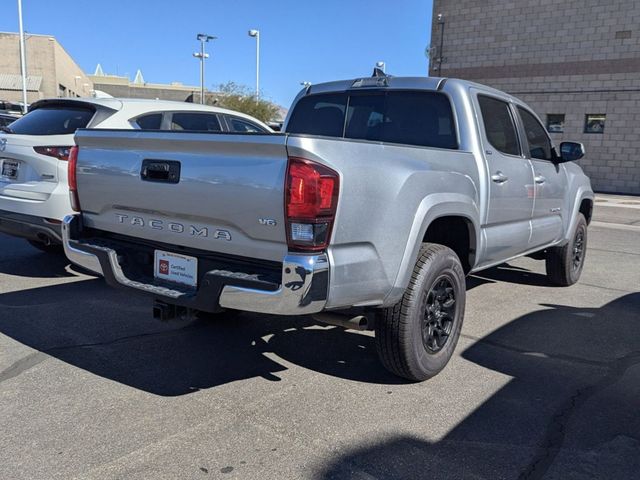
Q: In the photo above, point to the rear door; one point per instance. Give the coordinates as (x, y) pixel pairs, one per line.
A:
(550, 181)
(507, 224)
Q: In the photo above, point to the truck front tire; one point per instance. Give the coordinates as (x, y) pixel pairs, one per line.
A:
(416, 337)
(564, 264)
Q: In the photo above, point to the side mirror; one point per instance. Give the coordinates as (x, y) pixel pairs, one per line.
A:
(571, 151)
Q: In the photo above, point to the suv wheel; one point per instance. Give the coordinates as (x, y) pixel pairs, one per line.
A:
(416, 337)
(564, 264)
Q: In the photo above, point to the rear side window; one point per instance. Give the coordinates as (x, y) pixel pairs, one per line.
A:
(539, 143)
(195, 122)
(405, 117)
(243, 126)
(499, 125)
(150, 122)
(52, 121)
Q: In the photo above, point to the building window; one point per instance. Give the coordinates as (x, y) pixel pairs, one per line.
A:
(594, 123)
(555, 122)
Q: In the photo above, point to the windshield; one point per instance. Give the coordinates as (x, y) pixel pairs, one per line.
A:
(395, 116)
(54, 120)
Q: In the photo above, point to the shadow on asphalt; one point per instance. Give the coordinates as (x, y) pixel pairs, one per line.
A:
(31, 262)
(112, 334)
(570, 411)
(510, 274)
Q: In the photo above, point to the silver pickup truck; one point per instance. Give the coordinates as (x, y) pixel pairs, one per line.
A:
(367, 212)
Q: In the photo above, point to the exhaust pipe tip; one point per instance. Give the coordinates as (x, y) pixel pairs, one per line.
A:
(358, 322)
(44, 239)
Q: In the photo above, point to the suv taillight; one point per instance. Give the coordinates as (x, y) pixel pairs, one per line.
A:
(73, 179)
(311, 200)
(61, 153)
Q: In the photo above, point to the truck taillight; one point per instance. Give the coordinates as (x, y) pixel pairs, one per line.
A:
(73, 179)
(311, 200)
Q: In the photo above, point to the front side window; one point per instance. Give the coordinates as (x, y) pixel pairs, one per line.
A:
(405, 117)
(150, 122)
(53, 120)
(539, 143)
(243, 126)
(498, 125)
(594, 123)
(195, 122)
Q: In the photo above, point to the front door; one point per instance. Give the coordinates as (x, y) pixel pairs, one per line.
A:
(550, 182)
(507, 223)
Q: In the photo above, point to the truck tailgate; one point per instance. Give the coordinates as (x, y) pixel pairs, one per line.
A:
(225, 194)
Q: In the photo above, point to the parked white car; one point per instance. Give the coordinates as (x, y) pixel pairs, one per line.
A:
(34, 196)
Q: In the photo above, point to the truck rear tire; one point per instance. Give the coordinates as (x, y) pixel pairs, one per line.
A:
(564, 264)
(416, 337)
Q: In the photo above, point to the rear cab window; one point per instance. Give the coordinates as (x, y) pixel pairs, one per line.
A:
(419, 118)
(53, 120)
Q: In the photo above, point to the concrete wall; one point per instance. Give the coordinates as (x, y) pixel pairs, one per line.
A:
(46, 59)
(142, 91)
(69, 75)
(572, 57)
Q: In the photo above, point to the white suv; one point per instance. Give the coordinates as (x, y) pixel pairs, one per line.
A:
(34, 196)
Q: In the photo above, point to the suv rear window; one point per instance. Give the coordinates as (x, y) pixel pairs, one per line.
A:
(54, 120)
(406, 117)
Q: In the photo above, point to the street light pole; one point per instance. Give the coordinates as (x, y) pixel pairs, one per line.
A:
(256, 34)
(203, 38)
(23, 60)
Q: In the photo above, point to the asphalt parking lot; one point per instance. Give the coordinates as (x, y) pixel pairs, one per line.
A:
(545, 382)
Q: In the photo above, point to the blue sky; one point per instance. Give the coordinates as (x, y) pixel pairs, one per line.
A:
(300, 40)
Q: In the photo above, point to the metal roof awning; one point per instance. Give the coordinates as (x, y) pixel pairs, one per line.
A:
(10, 81)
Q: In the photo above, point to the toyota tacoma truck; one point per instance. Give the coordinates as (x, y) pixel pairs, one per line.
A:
(368, 211)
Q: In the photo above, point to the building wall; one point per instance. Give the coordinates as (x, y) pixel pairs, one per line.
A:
(121, 87)
(135, 91)
(572, 57)
(45, 59)
(69, 75)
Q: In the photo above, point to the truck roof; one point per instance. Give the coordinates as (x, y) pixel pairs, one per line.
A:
(391, 82)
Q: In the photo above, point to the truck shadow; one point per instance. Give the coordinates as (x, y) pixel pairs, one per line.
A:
(569, 412)
(510, 274)
(112, 334)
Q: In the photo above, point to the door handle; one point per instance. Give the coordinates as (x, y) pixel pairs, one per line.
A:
(499, 177)
(539, 179)
(167, 171)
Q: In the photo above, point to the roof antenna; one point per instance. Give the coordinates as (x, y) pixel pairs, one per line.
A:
(380, 70)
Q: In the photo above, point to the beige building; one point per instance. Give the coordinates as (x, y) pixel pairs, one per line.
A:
(576, 62)
(122, 87)
(51, 72)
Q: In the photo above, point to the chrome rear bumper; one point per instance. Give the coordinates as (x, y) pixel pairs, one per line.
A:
(303, 288)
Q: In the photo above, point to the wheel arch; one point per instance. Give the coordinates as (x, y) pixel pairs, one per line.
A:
(434, 213)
